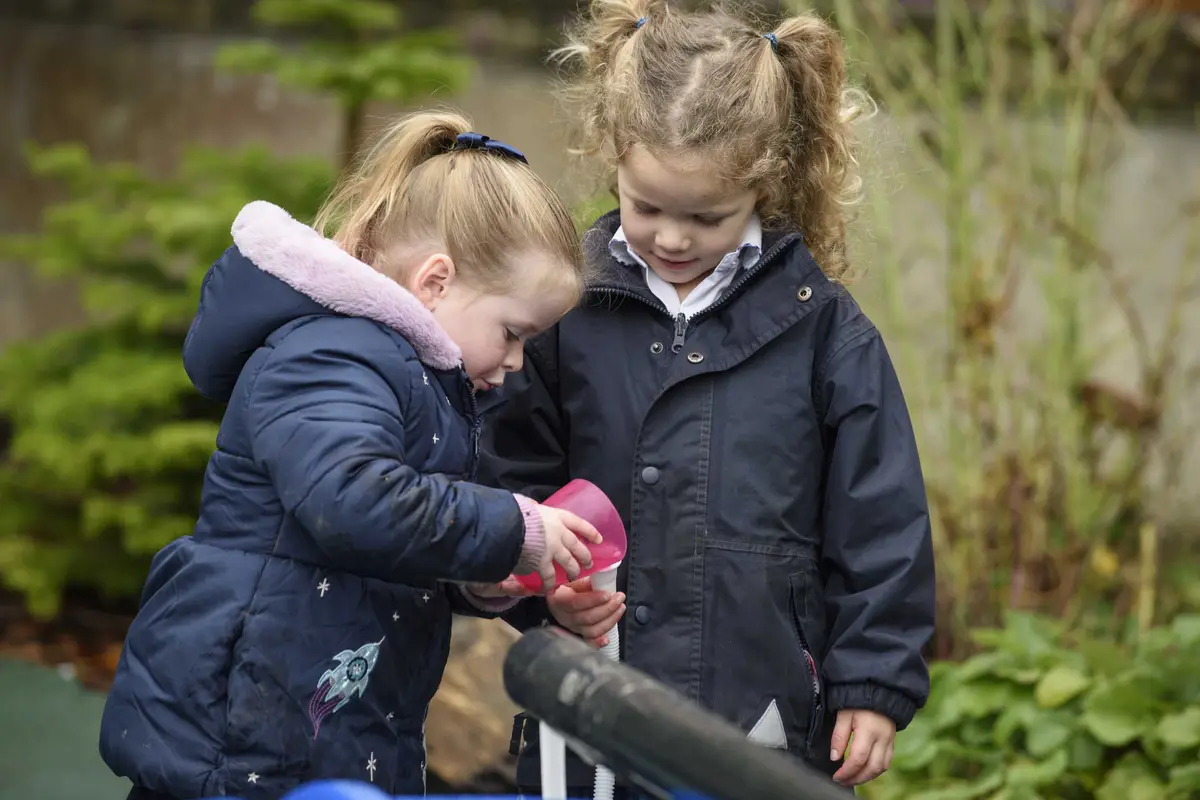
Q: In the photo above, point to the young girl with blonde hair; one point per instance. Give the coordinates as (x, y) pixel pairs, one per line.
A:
(302, 630)
(720, 384)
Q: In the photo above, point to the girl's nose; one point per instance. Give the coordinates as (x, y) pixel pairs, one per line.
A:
(671, 238)
(514, 358)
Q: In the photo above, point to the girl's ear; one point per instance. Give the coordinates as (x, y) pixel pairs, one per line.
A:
(431, 280)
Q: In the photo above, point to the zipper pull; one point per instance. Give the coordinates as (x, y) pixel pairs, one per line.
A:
(681, 323)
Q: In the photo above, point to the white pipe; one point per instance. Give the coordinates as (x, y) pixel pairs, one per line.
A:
(553, 747)
(554, 763)
(606, 581)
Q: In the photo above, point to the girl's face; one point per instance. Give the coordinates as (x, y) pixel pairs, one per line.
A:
(679, 217)
(492, 328)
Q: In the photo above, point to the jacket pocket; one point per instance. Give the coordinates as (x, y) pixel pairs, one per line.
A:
(808, 620)
(752, 668)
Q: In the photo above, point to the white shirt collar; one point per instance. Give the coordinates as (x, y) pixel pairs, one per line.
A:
(710, 289)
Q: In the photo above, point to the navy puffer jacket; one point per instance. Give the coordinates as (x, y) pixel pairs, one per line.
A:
(302, 630)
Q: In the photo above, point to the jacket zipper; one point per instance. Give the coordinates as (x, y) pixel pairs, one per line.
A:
(681, 326)
(817, 709)
(476, 428)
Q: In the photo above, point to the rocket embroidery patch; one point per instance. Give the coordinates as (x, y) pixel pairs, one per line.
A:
(339, 684)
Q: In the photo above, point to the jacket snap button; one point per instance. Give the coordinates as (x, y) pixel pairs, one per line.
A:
(695, 358)
(804, 294)
(656, 348)
(641, 614)
(650, 476)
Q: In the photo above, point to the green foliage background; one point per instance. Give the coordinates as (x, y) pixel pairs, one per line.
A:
(1037, 471)
(110, 440)
(1044, 713)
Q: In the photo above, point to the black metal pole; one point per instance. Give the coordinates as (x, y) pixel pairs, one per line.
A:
(646, 732)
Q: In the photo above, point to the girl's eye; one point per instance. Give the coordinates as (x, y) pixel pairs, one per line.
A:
(644, 209)
(709, 222)
(511, 335)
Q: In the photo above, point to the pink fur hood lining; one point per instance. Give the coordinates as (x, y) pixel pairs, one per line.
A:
(317, 268)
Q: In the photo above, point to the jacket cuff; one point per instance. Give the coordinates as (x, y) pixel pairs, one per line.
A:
(896, 706)
(490, 605)
(534, 549)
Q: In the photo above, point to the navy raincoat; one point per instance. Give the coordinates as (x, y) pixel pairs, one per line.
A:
(302, 630)
(761, 455)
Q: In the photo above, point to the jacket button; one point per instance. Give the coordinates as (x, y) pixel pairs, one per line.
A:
(656, 348)
(641, 614)
(804, 294)
(695, 358)
(650, 476)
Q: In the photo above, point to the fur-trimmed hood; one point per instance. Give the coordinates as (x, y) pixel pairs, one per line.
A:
(278, 270)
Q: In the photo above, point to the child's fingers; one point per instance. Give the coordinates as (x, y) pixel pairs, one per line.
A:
(577, 548)
(854, 769)
(564, 558)
(580, 585)
(511, 587)
(597, 614)
(841, 734)
(877, 764)
(564, 599)
(597, 630)
(580, 527)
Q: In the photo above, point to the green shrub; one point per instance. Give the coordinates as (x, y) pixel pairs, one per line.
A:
(110, 439)
(1043, 713)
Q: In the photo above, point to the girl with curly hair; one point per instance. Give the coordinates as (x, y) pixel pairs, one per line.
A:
(721, 385)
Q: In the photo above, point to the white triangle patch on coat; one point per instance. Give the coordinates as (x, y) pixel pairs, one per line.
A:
(768, 731)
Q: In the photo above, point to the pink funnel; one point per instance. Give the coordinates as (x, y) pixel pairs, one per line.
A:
(584, 499)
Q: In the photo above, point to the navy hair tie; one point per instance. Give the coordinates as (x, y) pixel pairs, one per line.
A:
(638, 25)
(477, 141)
(770, 37)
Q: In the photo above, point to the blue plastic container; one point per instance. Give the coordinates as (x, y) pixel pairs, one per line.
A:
(354, 790)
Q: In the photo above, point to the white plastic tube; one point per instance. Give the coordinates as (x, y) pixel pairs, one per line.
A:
(553, 747)
(605, 781)
(554, 763)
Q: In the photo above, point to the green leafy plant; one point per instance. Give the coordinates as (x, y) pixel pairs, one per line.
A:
(110, 439)
(1046, 713)
(360, 55)
(107, 440)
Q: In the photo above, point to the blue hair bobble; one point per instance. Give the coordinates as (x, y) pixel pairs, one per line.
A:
(477, 141)
(637, 25)
(770, 37)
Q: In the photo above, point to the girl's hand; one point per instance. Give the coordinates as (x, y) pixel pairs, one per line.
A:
(563, 531)
(509, 587)
(870, 753)
(585, 611)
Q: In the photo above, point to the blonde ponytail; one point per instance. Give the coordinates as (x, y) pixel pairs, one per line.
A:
(599, 49)
(416, 186)
(370, 192)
